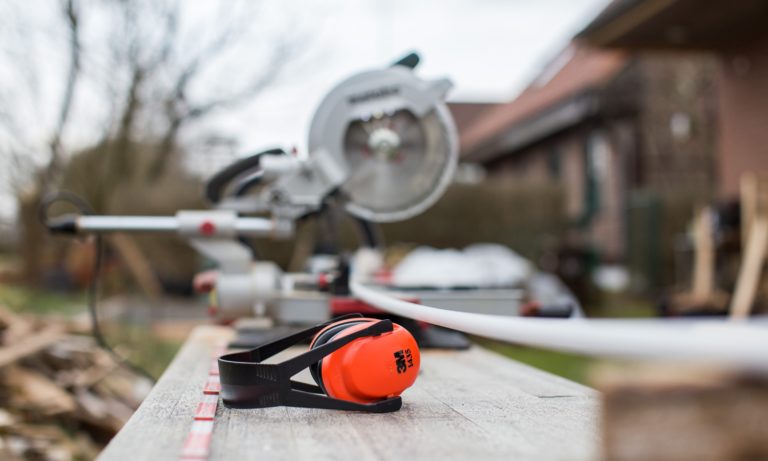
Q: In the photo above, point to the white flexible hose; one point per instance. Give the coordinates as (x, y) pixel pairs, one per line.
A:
(743, 345)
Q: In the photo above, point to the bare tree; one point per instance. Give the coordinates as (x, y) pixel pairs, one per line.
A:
(138, 71)
(15, 149)
(163, 70)
(152, 76)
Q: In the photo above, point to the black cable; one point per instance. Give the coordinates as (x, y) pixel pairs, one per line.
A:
(92, 293)
(63, 196)
(93, 296)
(370, 232)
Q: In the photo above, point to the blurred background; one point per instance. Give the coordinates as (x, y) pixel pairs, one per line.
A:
(617, 144)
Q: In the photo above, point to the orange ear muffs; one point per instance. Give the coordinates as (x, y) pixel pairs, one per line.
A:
(368, 369)
(359, 364)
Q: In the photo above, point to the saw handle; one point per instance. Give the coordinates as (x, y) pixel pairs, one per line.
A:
(214, 188)
(410, 60)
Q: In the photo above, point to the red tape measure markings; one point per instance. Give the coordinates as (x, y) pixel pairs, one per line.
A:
(213, 385)
(214, 370)
(206, 409)
(198, 442)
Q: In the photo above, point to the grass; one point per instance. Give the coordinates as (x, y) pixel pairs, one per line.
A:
(137, 344)
(569, 366)
(623, 305)
(31, 301)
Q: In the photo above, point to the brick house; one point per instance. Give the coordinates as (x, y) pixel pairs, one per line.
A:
(735, 33)
(605, 125)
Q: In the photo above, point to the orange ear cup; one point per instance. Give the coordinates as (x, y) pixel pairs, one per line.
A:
(367, 369)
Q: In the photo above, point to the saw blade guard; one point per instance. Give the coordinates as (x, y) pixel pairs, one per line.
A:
(397, 138)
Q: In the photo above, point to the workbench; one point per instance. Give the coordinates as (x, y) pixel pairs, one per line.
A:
(472, 404)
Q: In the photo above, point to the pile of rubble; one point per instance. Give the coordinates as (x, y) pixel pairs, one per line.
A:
(61, 396)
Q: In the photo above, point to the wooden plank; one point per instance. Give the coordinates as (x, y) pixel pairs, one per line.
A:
(754, 202)
(751, 268)
(681, 413)
(159, 427)
(704, 256)
(749, 194)
(465, 404)
(34, 393)
(30, 345)
(13, 326)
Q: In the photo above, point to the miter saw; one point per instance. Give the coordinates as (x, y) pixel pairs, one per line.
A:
(382, 143)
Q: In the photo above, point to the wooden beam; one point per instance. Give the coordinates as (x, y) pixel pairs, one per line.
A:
(752, 261)
(31, 345)
(666, 413)
(628, 20)
(703, 256)
(36, 393)
(748, 186)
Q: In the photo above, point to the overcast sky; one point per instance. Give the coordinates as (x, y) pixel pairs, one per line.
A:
(490, 49)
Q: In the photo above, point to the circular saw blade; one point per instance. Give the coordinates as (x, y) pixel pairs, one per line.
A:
(392, 181)
(396, 138)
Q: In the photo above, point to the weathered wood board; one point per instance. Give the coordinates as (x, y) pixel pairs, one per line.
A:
(465, 405)
(665, 412)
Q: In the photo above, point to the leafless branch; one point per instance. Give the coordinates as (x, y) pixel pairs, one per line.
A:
(228, 35)
(170, 27)
(267, 76)
(71, 14)
(180, 110)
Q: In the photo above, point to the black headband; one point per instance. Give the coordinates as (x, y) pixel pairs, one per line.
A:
(248, 383)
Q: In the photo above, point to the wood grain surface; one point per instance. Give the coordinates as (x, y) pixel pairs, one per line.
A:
(465, 405)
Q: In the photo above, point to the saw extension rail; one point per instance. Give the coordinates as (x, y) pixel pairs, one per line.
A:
(742, 345)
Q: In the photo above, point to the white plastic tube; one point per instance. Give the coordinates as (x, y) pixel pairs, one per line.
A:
(743, 345)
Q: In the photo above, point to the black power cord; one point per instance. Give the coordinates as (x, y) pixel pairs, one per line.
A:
(95, 283)
(370, 233)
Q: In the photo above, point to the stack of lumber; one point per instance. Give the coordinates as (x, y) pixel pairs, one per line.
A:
(61, 397)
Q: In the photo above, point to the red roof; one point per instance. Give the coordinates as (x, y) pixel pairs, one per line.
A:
(465, 114)
(576, 69)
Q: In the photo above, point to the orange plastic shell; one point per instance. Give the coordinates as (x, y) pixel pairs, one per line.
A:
(371, 369)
